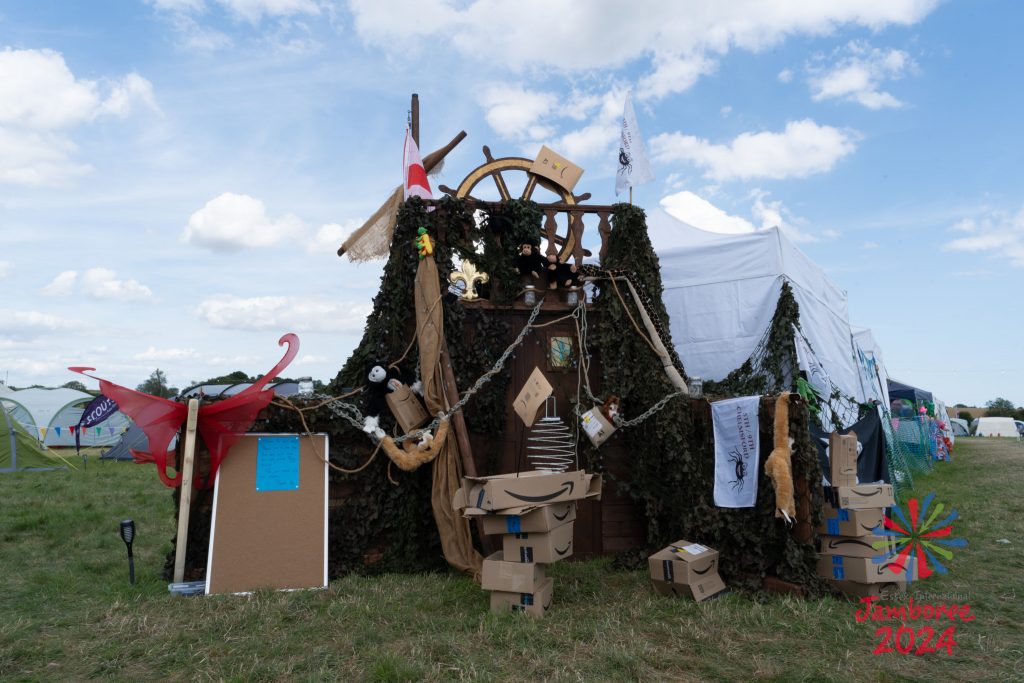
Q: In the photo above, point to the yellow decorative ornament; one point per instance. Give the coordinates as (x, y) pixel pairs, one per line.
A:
(471, 277)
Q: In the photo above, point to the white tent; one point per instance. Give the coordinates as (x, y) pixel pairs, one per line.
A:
(871, 365)
(48, 414)
(721, 292)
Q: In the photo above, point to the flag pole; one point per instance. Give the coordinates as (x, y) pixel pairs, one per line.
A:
(415, 118)
(631, 195)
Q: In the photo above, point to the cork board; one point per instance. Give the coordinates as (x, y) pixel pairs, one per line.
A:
(269, 526)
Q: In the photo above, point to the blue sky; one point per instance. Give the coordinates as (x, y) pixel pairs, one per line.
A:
(176, 175)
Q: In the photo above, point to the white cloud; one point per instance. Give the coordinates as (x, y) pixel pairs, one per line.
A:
(102, 283)
(514, 112)
(41, 102)
(330, 236)
(870, 245)
(786, 75)
(284, 314)
(773, 214)
(681, 40)
(62, 285)
(153, 353)
(6, 268)
(857, 75)
(700, 213)
(998, 232)
(231, 222)
(98, 283)
(802, 149)
(27, 324)
(254, 10)
(310, 359)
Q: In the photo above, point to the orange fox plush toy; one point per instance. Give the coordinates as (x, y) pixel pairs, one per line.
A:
(779, 465)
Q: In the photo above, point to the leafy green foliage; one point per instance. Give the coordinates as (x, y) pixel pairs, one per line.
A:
(1000, 407)
(156, 384)
(670, 471)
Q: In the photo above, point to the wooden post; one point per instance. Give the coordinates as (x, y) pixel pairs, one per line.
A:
(415, 118)
(185, 495)
(451, 394)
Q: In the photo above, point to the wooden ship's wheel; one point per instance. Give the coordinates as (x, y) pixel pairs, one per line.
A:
(512, 179)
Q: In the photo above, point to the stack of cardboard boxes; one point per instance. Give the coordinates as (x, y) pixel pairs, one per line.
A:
(533, 512)
(852, 521)
(686, 569)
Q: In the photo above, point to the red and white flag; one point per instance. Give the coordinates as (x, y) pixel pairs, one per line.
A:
(416, 184)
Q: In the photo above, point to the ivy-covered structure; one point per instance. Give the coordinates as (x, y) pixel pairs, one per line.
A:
(658, 473)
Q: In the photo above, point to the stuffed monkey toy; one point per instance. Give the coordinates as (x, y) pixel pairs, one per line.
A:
(779, 465)
(530, 262)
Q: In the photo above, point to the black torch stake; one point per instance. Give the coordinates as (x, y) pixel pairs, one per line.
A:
(128, 535)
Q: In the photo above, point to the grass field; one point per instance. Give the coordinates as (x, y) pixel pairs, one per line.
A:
(67, 611)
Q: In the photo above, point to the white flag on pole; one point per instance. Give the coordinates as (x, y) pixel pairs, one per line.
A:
(634, 168)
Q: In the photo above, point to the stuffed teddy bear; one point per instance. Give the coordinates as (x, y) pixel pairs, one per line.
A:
(779, 465)
(530, 262)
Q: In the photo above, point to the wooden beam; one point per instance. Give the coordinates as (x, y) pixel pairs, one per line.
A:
(415, 118)
(185, 494)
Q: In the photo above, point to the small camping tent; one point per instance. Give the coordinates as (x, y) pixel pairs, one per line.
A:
(49, 414)
(997, 426)
(19, 451)
(911, 393)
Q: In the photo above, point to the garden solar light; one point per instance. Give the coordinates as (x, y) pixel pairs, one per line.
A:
(128, 535)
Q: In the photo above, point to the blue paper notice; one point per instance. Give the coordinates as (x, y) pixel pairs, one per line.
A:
(277, 463)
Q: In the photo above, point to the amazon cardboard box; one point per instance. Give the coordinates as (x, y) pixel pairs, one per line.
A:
(535, 604)
(507, 491)
(856, 591)
(510, 577)
(686, 568)
(860, 497)
(861, 569)
(842, 457)
(838, 522)
(857, 546)
(531, 519)
(544, 547)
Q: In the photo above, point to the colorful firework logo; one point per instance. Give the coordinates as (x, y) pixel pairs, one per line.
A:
(920, 541)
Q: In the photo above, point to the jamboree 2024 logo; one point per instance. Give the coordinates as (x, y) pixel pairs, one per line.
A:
(915, 541)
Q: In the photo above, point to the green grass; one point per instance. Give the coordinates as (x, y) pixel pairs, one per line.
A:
(68, 613)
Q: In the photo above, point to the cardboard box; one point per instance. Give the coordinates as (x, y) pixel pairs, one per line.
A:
(407, 408)
(529, 519)
(597, 428)
(535, 604)
(510, 577)
(842, 456)
(508, 491)
(837, 522)
(532, 396)
(686, 568)
(859, 569)
(553, 166)
(857, 546)
(856, 591)
(544, 547)
(861, 497)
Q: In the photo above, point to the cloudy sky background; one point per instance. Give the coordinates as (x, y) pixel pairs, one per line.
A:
(176, 175)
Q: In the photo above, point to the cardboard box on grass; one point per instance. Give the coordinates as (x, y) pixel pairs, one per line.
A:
(842, 456)
(535, 604)
(686, 568)
(856, 591)
(510, 577)
(860, 497)
(837, 522)
(857, 546)
(860, 569)
(544, 547)
(532, 519)
(507, 491)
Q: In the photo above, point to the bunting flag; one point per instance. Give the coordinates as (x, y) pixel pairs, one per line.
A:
(416, 183)
(634, 167)
(42, 433)
(110, 431)
(57, 429)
